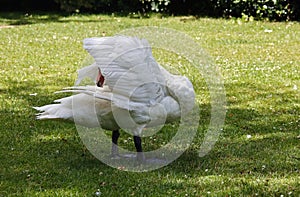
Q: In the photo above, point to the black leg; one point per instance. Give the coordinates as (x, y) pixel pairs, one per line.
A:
(138, 143)
(139, 150)
(115, 136)
(114, 148)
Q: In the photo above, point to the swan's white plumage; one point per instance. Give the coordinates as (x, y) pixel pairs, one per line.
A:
(88, 71)
(134, 82)
(129, 68)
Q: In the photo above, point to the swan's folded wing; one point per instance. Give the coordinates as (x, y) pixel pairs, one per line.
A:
(129, 69)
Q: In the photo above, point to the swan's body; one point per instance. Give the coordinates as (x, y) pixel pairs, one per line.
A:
(132, 90)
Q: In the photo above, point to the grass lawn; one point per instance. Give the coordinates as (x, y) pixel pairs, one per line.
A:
(258, 152)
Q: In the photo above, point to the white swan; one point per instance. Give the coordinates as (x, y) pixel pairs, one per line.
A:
(132, 91)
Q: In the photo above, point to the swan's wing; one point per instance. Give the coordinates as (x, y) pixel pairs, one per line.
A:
(90, 71)
(129, 69)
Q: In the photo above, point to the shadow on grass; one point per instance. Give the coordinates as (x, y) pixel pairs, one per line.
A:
(45, 155)
(18, 18)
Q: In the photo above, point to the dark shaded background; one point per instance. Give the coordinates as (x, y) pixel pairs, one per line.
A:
(280, 10)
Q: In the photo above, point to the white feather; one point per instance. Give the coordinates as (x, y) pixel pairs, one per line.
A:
(134, 82)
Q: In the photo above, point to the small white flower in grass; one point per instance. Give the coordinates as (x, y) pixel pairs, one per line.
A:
(295, 87)
(121, 168)
(268, 31)
(290, 193)
(98, 193)
(248, 136)
(263, 167)
(208, 192)
(33, 94)
(206, 170)
(281, 195)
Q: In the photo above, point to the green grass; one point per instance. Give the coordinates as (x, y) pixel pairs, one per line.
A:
(261, 69)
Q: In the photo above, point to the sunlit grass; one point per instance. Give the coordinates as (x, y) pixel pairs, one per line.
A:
(257, 153)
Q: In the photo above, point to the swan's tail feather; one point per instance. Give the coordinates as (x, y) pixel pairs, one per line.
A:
(79, 108)
(54, 111)
(62, 109)
(96, 92)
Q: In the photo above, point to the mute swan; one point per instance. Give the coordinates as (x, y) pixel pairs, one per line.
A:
(129, 85)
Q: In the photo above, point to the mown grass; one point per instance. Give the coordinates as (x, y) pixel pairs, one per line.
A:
(257, 154)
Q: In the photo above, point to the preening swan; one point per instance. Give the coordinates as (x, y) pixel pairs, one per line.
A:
(132, 91)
